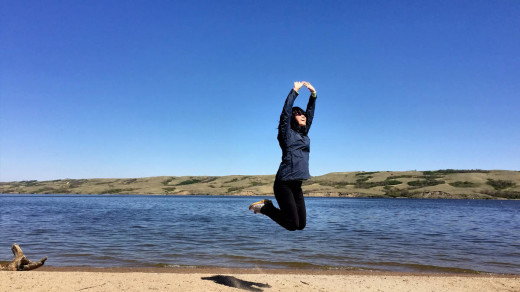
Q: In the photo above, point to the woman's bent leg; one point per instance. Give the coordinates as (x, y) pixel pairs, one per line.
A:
(288, 214)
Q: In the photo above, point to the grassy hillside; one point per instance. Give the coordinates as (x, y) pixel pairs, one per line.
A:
(449, 183)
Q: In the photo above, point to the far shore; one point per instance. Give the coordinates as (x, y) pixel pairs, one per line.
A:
(437, 184)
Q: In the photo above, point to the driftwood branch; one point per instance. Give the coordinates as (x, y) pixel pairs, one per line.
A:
(20, 262)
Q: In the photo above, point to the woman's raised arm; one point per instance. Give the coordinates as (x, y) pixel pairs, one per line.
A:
(309, 112)
(285, 117)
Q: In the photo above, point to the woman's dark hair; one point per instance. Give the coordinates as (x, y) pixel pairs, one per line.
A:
(294, 124)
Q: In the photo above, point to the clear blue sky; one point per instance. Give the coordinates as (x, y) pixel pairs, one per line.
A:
(146, 88)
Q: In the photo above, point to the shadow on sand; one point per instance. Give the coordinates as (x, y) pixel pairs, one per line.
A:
(231, 281)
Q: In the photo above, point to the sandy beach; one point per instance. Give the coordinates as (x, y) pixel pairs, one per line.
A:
(224, 279)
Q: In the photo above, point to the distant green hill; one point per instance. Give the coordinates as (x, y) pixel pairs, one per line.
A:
(446, 184)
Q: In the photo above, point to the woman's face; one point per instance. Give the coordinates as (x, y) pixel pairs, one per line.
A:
(301, 119)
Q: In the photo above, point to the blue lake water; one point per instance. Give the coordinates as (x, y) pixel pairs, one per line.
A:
(342, 233)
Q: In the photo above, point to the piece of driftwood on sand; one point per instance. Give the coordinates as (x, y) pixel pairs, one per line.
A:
(20, 262)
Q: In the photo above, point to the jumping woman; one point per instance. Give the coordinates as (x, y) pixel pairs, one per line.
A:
(294, 168)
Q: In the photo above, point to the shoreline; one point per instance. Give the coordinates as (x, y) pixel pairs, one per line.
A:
(50, 278)
(270, 196)
(287, 271)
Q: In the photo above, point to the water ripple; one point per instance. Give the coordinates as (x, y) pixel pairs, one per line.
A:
(400, 235)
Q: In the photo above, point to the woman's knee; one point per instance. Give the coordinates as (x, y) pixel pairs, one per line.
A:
(295, 225)
(292, 225)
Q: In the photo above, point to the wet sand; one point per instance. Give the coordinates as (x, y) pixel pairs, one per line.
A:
(226, 279)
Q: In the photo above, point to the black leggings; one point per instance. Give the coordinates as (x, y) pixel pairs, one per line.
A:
(289, 195)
